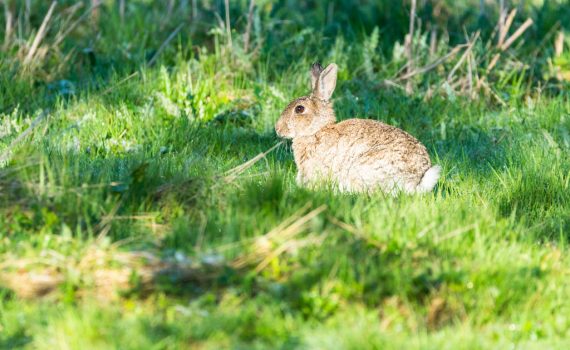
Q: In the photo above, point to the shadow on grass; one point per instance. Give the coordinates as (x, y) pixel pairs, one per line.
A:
(15, 341)
(178, 184)
(539, 201)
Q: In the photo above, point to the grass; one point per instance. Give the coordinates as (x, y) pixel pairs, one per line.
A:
(128, 221)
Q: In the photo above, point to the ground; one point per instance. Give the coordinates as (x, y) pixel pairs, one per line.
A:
(143, 203)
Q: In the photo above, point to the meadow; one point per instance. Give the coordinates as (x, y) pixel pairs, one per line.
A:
(147, 203)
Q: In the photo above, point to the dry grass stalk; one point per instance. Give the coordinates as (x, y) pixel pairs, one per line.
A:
(356, 232)
(409, 45)
(66, 16)
(292, 245)
(119, 83)
(470, 71)
(105, 225)
(509, 23)
(481, 8)
(456, 233)
(27, 12)
(390, 83)
(40, 35)
(501, 25)
(464, 56)
(194, 9)
(165, 44)
(228, 27)
(433, 42)
(95, 9)
(283, 236)
(295, 227)
(503, 46)
(122, 6)
(9, 18)
(505, 26)
(493, 62)
(60, 36)
(517, 34)
(8, 150)
(70, 11)
(434, 64)
(248, 26)
(483, 84)
(287, 222)
(545, 41)
(260, 241)
(169, 10)
(559, 44)
(234, 173)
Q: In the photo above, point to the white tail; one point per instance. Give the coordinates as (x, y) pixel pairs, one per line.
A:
(429, 179)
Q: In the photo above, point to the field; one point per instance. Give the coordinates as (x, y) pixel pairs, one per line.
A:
(147, 203)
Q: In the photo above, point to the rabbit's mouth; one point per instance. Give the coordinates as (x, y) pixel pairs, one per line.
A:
(282, 129)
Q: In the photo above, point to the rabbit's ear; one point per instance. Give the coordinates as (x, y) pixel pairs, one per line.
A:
(316, 70)
(326, 82)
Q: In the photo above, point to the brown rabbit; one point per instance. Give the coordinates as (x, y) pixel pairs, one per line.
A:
(356, 154)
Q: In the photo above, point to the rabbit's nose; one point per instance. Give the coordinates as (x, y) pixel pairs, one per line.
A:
(281, 128)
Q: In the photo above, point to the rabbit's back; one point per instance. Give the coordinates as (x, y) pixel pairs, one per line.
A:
(359, 154)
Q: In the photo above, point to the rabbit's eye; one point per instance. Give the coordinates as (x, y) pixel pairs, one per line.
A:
(299, 109)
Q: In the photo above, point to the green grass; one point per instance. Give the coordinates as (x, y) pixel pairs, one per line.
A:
(133, 157)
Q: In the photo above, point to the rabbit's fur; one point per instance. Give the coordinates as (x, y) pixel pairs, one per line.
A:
(357, 155)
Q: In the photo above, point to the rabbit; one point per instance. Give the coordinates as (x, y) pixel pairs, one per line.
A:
(357, 155)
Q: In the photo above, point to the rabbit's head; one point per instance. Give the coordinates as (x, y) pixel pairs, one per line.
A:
(308, 114)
